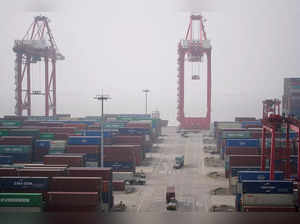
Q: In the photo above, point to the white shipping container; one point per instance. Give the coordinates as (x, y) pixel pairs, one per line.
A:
(268, 200)
(123, 176)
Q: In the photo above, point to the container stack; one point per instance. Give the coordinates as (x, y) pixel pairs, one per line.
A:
(240, 147)
(257, 195)
(291, 97)
(43, 187)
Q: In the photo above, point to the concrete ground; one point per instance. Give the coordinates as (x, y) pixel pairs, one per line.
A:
(192, 185)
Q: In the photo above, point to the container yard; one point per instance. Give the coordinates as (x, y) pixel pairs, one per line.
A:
(223, 143)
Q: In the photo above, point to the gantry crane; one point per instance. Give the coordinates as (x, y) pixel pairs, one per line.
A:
(271, 106)
(192, 49)
(37, 46)
(274, 124)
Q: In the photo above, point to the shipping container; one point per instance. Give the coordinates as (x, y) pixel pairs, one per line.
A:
(4, 172)
(267, 187)
(242, 143)
(269, 209)
(75, 160)
(21, 200)
(84, 140)
(72, 201)
(104, 173)
(16, 140)
(6, 160)
(259, 175)
(15, 149)
(23, 183)
(10, 123)
(76, 184)
(282, 200)
(47, 136)
(42, 172)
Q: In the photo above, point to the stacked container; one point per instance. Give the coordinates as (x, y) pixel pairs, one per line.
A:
(266, 195)
(20, 148)
(85, 144)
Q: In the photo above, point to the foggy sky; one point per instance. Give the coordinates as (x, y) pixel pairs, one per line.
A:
(123, 47)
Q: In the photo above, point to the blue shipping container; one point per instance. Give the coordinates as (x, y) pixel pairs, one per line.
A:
(90, 157)
(84, 140)
(116, 166)
(235, 170)
(6, 160)
(134, 131)
(106, 134)
(267, 187)
(247, 123)
(21, 157)
(24, 183)
(42, 144)
(259, 175)
(242, 143)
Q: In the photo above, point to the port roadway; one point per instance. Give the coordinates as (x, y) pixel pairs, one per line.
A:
(192, 185)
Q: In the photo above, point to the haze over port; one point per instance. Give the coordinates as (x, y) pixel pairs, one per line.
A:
(124, 47)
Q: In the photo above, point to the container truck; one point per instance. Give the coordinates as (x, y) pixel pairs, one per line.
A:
(179, 162)
(170, 198)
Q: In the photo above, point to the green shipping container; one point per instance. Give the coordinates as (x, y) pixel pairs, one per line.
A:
(24, 132)
(46, 136)
(10, 123)
(236, 134)
(54, 152)
(21, 200)
(15, 149)
(3, 133)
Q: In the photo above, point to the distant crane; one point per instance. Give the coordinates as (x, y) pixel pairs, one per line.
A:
(192, 49)
(271, 106)
(37, 45)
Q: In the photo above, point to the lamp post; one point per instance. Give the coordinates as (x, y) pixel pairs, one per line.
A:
(146, 91)
(102, 98)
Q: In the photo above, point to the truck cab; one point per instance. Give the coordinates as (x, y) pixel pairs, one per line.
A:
(179, 162)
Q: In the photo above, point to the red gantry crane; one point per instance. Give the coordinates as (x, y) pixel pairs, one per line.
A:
(37, 46)
(192, 49)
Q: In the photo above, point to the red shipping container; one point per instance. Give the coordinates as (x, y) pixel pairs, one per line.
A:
(139, 125)
(242, 151)
(70, 160)
(244, 161)
(128, 139)
(269, 209)
(16, 140)
(72, 201)
(118, 155)
(8, 172)
(62, 136)
(76, 184)
(118, 185)
(42, 172)
(93, 149)
(135, 149)
(104, 173)
(76, 126)
(51, 124)
(65, 130)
